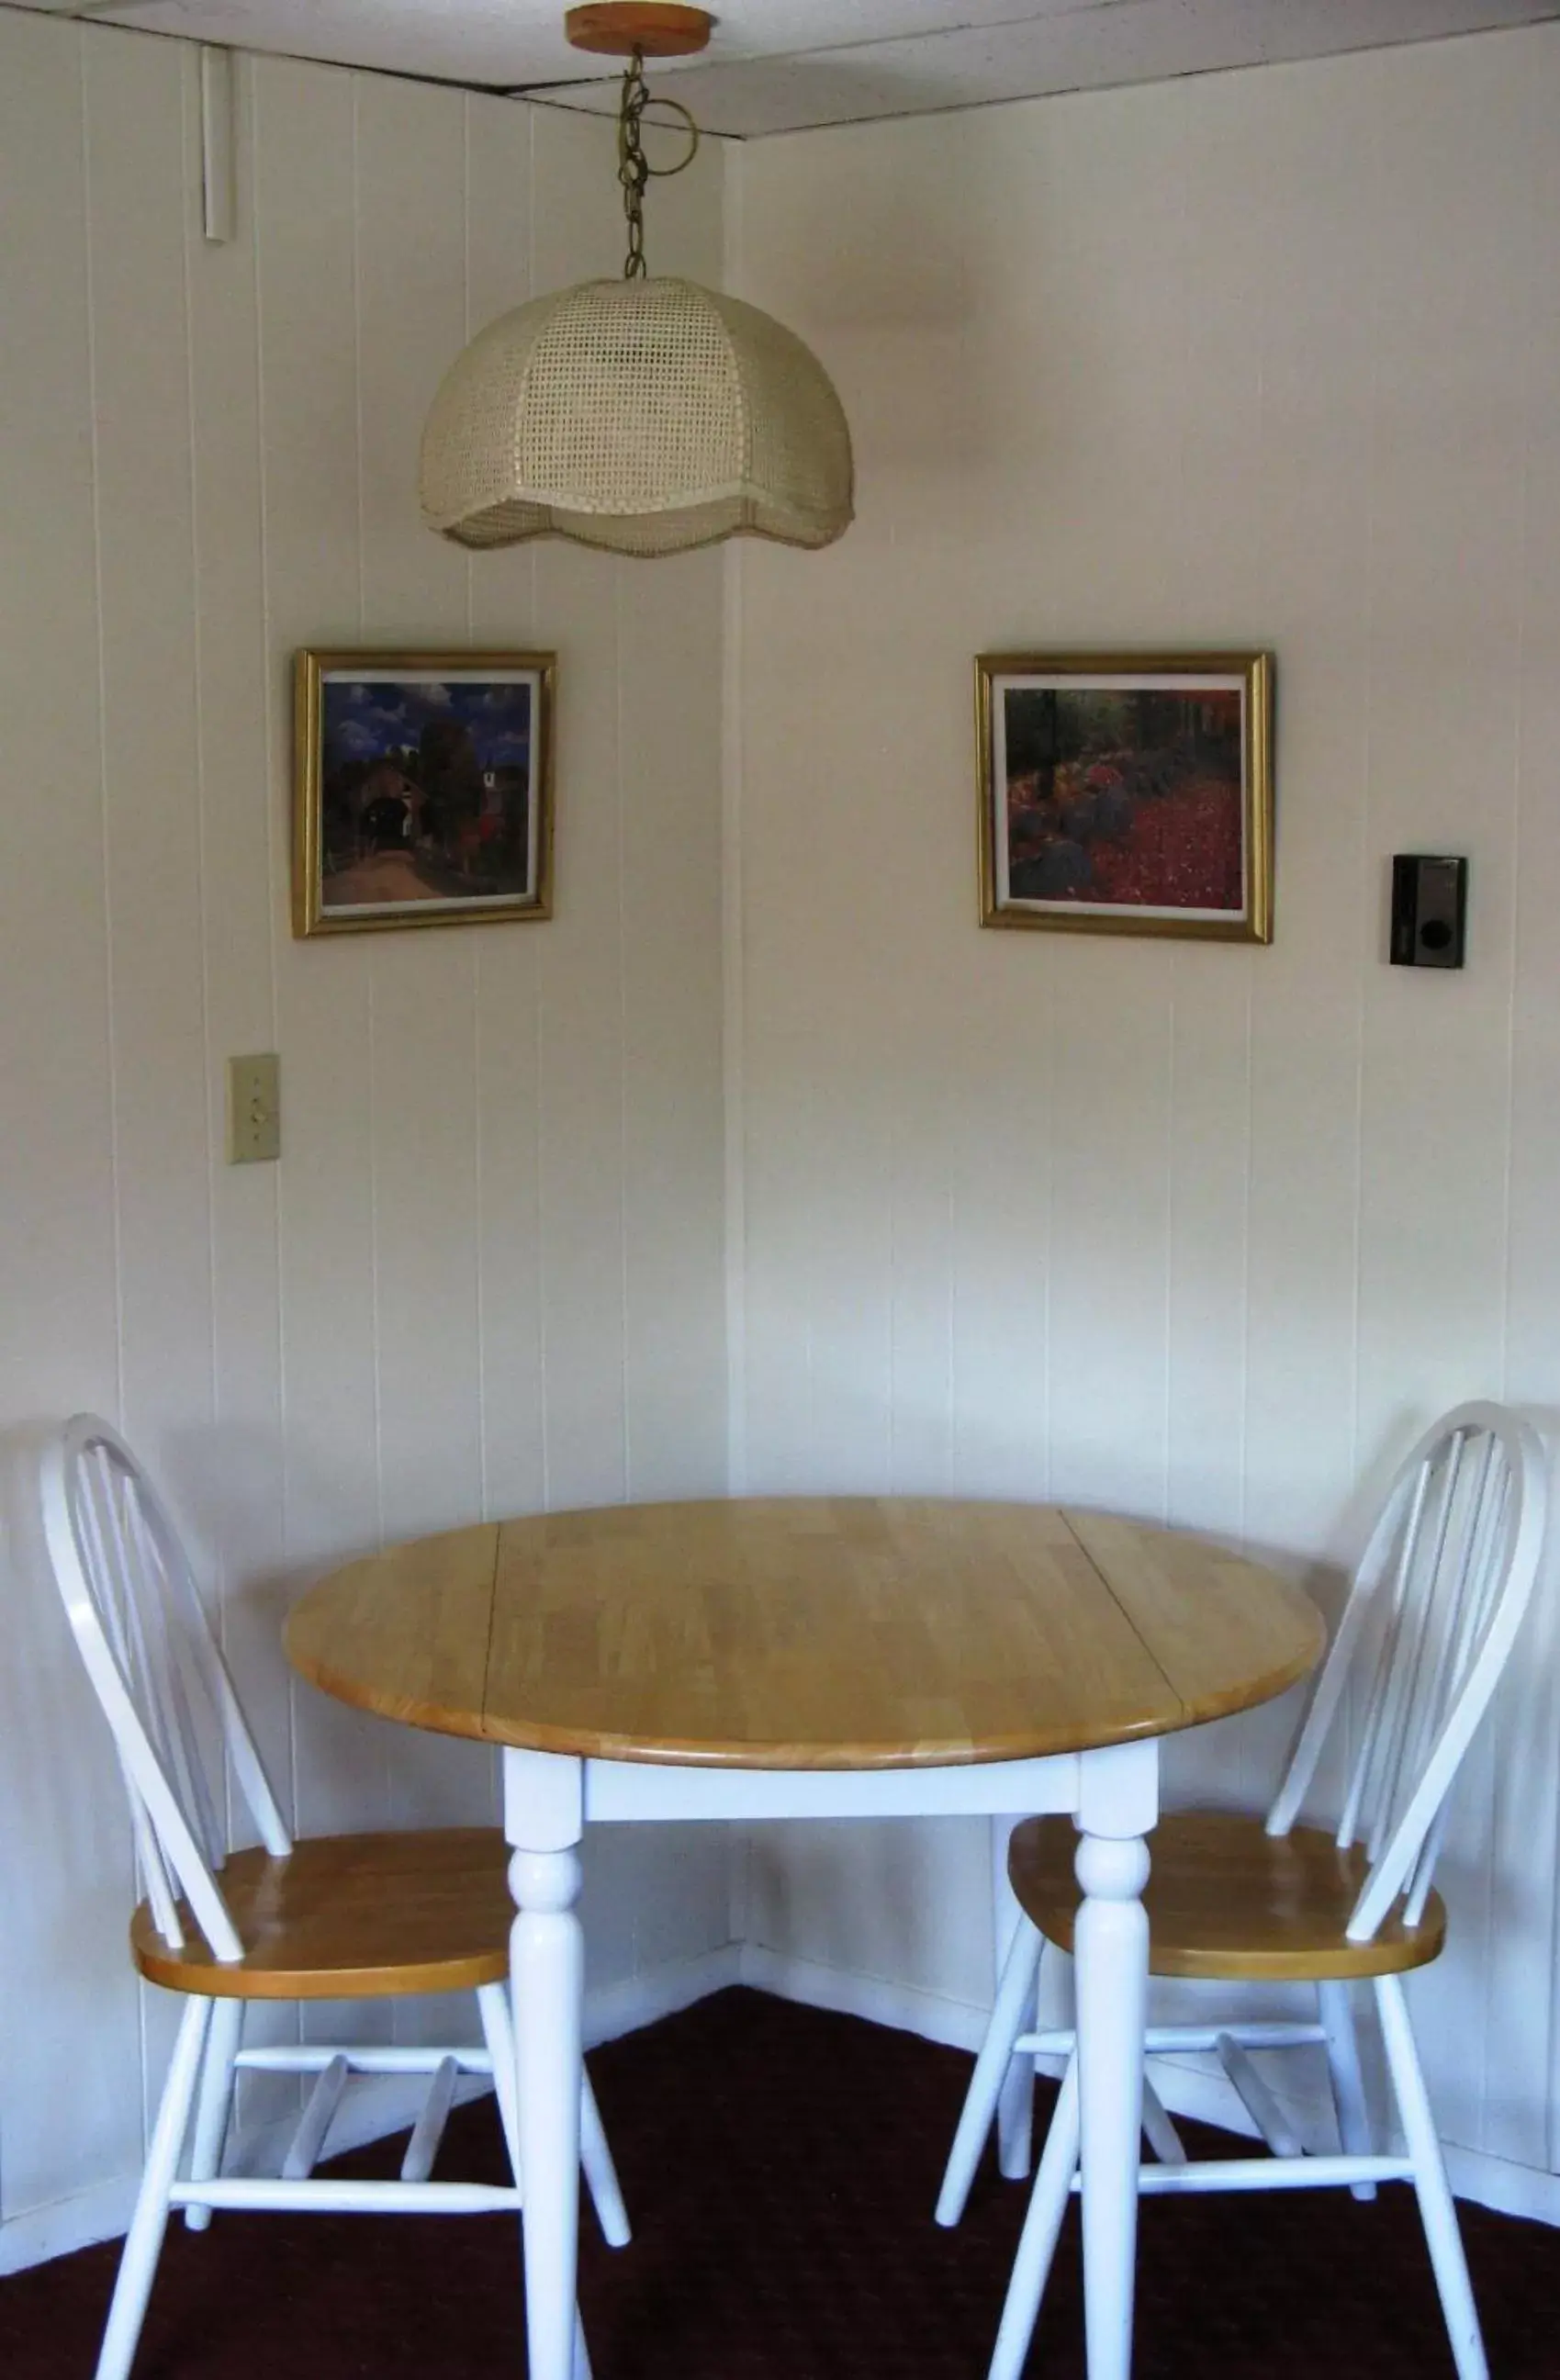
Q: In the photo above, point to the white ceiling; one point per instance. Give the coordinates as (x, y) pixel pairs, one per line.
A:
(776, 65)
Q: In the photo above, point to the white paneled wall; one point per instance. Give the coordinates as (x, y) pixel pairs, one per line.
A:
(1205, 1233)
(487, 1275)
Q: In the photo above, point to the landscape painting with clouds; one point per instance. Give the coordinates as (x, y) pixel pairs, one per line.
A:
(428, 790)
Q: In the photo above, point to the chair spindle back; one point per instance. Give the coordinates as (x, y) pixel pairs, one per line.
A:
(1431, 1619)
(142, 1633)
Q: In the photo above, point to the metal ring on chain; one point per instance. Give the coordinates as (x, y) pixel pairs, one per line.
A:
(665, 173)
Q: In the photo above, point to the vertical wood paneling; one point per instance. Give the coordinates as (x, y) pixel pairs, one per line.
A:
(1522, 2034)
(1221, 596)
(208, 460)
(242, 843)
(1264, 358)
(1301, 1342)
(581, 1089)
(135, 136)
(778, 1151)
(668, 623)
(1002, 1031)
(1210, 1154)
(305, 223)
(501, 612)
(58, 1255)
(1107, 1348)
(671, 855)
(1301, 1306)
(410, 209)
(1446, 494)
(1000, 1260)
(57, 1268)
(231, 1477)
(1445, 586)
(134, 153)
(1113, 1017)
(1222, 581)
(849, 1263)
(1094, 439)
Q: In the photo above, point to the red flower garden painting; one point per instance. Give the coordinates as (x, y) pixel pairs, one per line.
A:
(1124, 797)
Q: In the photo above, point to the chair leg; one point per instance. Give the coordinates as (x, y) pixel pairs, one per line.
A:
(1015, 2000)
(1041, 2226)
(144, 2239)
(1015, 2102)
(1437, 2210)
(600, 2173)
(1015, 2120)
(214, 2107)
(1336, 2011)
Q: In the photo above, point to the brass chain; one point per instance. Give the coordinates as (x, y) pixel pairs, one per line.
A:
(633, 167)
(634, 171)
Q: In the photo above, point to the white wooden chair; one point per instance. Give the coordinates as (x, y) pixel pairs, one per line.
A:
(345, 1917)
(1429, 1621)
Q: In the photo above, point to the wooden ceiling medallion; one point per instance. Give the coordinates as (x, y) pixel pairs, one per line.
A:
(656, 29)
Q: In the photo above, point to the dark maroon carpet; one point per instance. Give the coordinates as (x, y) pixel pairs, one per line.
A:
(780, 2168)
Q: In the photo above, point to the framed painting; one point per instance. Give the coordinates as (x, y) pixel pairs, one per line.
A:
(423, 793)
(1127, 794)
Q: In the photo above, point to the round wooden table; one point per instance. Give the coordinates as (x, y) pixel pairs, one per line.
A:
(818, 1658)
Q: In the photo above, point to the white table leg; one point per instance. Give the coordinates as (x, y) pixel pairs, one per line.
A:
(1118, 1805)
(543, 1821)
(1015, 2108)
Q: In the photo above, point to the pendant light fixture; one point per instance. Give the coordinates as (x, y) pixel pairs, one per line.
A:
(644, 415)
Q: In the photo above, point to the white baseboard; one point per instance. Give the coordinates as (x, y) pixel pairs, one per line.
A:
(1187, 2089)
(376, 2105)
(958, 2024)
(615, 2009)
(102, 2212)
(1503, 2186)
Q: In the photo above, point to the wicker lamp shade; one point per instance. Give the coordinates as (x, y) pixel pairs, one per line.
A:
(644, 416)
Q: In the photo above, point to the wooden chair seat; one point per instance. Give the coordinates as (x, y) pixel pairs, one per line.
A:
(350, 1917)
(1229, 1902)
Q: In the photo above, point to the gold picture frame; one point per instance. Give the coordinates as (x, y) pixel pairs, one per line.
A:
(1127, 793)
(423, 789)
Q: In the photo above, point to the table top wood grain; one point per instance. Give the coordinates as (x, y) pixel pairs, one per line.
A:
(807, 1632)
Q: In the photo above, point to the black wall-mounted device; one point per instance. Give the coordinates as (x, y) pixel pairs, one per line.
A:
(1428, 910)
